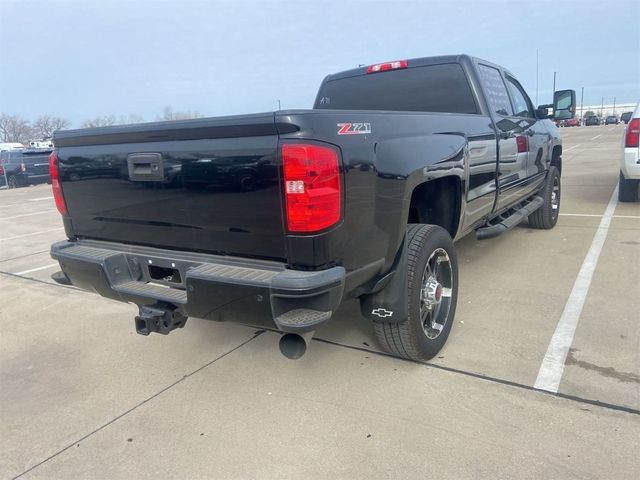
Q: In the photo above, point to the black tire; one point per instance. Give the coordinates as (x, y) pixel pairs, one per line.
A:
(409, 338)
(627, 189)
(546, 216)
(12, 181)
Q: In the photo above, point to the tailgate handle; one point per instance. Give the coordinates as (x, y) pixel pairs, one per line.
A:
(145, 167)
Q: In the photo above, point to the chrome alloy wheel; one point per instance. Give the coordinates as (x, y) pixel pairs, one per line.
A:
(435, 294)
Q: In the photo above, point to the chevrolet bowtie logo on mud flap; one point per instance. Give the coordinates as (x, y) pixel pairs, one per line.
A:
(381, 312)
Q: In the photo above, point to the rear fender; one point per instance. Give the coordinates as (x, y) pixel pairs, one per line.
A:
(405, 162)
(422, 158)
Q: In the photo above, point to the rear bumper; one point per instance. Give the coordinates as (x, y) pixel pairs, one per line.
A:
(204, 286)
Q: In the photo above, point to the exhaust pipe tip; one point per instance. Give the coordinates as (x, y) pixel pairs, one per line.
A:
(294, 346)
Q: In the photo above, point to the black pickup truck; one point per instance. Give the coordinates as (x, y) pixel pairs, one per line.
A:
(284, 215)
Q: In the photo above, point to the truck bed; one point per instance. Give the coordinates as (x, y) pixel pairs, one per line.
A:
(219, 188)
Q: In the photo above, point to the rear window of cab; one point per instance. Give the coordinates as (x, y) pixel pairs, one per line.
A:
(432, 88)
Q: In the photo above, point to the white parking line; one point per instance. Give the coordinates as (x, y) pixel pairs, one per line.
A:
(40, 199)
(30, 234)
(580, 214)
(596, 137)
(571, 148)
(37, 269)
(596, 215)
(28, 214)
(552, 367)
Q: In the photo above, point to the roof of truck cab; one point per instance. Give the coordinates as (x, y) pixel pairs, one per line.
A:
(418, 62)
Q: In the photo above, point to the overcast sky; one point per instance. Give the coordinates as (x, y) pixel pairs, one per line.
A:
(82, 59)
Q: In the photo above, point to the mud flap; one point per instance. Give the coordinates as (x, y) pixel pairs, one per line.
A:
(389, 302)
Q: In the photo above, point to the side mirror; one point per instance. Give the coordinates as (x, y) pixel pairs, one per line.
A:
(564, 104)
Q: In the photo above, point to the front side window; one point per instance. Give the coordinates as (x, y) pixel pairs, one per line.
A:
(520, 103)
(496, 91)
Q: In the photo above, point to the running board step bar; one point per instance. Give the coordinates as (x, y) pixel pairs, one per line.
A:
(515, 218)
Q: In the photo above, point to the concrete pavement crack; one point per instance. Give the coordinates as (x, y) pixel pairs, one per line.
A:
(138, 405)
(37, 280)
(23, 256)
(487, 378)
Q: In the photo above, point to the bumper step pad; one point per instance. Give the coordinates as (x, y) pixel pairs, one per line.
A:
(302, 319)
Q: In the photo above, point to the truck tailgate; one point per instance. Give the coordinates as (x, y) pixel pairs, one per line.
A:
(207, 185)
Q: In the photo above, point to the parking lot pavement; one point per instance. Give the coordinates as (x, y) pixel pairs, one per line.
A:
(604, 361)
(84, 396)
(340, 413)
(70, 362)
(28, 222)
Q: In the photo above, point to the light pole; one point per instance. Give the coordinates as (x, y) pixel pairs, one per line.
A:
(554, 83)
(581, 99)
(614, 106)
(601, 107)
(537, 64)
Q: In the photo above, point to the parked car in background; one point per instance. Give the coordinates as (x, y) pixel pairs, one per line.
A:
(612, 120)
(45, 143)
(25, 167)
(626, 116)
(630, 165)
(572, 122)
(592, 120)
(11, 146)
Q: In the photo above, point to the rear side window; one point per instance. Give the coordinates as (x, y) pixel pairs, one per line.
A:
(433, 88)
(496, 91)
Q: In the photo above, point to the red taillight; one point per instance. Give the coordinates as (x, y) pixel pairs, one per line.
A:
(55, 183)
(312, 187)
(523, 143)
(633, 133)
(383, 67)
(1, 170)
(23, 168)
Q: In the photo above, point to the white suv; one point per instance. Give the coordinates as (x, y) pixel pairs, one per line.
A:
(630, 167)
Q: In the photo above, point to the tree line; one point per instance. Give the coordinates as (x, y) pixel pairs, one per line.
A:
(15, 128)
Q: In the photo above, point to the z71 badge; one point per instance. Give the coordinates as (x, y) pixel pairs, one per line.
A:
(354, 128)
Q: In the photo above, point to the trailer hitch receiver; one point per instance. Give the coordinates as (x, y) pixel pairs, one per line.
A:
(160, 318)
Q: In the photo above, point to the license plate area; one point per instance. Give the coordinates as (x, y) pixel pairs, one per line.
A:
(165, 274)
(159, 270)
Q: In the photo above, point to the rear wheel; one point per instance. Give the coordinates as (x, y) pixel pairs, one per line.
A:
(432, 292)
(546, 216)
(627, 189)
